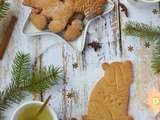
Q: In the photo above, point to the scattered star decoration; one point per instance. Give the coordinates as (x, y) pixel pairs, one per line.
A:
(75, 65)
(95, 45)
(155, 11)
(130, 48)
(147, 44)
(70, 95)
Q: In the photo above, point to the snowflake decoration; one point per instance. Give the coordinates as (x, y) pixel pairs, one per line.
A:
(95, 45)
(130, 48)
(75, 65)
(155, 11)
(70, 95)
(147, 44)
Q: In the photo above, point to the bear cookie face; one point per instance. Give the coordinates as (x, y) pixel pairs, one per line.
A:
(55, 15)
(110, 97)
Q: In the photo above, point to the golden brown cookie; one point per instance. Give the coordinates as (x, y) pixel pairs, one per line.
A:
(39, 21)
(57, 13)
(60, 16)
(110, 97)
(56, 26)
(40, 4)
(35, 11)
(74, 30)
(90, 8)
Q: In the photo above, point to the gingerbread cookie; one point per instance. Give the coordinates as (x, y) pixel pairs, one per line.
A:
(74, 27)
(110, 97)
(55, 15)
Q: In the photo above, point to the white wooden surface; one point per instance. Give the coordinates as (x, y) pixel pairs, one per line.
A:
(81, 80)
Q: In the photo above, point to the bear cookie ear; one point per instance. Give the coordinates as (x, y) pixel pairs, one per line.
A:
(105, 66)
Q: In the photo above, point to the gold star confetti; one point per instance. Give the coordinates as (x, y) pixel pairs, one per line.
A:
(147, 44)
(130, 48)
(95, 45)
(75, 65)
(70, 95)
(155, 11)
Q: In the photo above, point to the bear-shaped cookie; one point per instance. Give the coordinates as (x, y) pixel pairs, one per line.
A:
(110, 97)
(55, 14)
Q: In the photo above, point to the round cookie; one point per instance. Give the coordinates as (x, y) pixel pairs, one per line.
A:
(39, 21)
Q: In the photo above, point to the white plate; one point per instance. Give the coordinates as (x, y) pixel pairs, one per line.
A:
(30, 30)
(151, 1)
(146, 1)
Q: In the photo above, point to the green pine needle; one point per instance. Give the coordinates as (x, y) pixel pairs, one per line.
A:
(4, 7)
(42, 79)
(156, 58)
(13, 93)
(149, 33)
(25, 80)
(141, 30)
(21, 68)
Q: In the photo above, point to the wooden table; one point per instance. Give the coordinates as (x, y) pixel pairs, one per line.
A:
(83, 70)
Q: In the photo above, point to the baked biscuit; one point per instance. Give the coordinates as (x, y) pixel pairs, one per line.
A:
(110, 97)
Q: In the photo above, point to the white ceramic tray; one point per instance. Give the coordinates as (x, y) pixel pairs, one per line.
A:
(143, 1)
(151, 1)
(29, 30)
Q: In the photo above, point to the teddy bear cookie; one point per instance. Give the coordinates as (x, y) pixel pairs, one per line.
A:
(110, 97)
(55, 15)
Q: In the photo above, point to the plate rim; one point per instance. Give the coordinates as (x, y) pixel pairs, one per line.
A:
(151, 1)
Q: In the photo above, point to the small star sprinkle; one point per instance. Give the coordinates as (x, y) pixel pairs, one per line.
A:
(75, 66)
(155, 11)
(130, 48)
(70, 95)
(147, 44)
(95, 45)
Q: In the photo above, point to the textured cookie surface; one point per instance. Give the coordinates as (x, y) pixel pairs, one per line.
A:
(110, 97)
(56, 15)
(74, 30)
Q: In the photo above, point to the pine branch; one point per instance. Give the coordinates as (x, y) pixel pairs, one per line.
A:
(141, 30)
(24, 80)
(4, 7)
(156, 58)
(43, 79)
(12, 94)
(21, 68)
(20, 72)
(151, 34)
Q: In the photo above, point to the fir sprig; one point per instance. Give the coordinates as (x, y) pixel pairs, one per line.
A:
(149, 33)
(156, 58)
(4, 7)
(21, 68)
(25, 80)
(13, 93)
(42, 79)
(142, 30)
